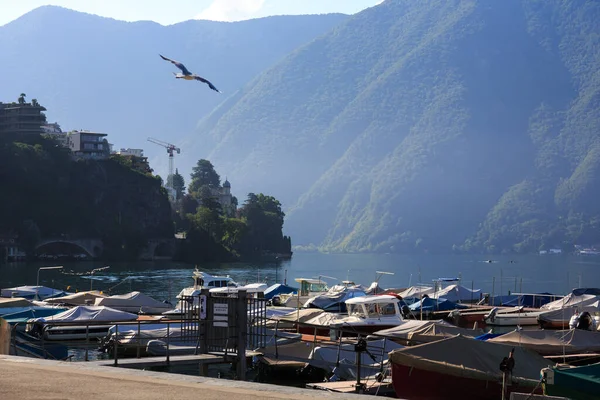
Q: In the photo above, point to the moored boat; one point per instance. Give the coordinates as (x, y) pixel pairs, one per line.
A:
(552, 342)
(78, 323)
(512, 317)
(368, 314)
(464, 368)
(578, 383)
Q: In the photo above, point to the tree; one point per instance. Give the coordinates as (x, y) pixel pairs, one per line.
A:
(35, 103)
(21, 98)
(189, 205)
(208, 220)
(177, 182)
(203, 174)
(264, 218)
(234, 230)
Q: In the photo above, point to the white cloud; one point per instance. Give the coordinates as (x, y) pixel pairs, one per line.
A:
(231, 10)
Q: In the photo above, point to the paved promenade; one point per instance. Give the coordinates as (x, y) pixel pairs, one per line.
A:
(29, 378)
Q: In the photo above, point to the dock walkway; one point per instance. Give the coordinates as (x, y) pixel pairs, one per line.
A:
(44, 379)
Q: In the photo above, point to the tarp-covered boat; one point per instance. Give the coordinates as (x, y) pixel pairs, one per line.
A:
(279, 289)
(428, 304)
(415, 292)
(134, 302)
(459, 368)
(334, 300)
(560, 318)
(551, 342)
(457, 293)
(77, 299)
(31, 292)
(53, 329)
(578, 383)
(412, 332)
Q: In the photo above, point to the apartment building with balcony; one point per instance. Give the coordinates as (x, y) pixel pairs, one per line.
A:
(88, 145)
(21, 118)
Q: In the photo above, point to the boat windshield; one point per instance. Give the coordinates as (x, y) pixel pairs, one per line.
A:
(356, 310)
(377, 310)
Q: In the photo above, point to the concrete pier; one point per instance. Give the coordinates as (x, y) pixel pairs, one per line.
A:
(22, 377)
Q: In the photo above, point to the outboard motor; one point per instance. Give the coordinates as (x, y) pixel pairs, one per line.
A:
(405, 311)
(585, 322)
(491, 316)
(276, 300)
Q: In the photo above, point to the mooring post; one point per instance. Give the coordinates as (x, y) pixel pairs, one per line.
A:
(242, 325)
(87, 340)
(168, 340)
(115, 344)
(202, 316)
(138, 340)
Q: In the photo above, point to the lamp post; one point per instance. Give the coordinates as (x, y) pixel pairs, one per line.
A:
(37, 284)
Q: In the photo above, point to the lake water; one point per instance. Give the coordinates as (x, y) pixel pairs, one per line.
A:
(163, 280)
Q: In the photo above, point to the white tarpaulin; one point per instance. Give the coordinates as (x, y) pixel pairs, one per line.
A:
(416, 292)
(551, 342)
(77, 299)
(90, 313)
(134, 302)
(415, 331)
(30, 291)
(571, 300)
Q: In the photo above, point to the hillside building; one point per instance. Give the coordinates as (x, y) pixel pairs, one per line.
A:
(223, 196)
(54, 131)
(89, 145)
(137, 159)
(131, 152)
(22, 118)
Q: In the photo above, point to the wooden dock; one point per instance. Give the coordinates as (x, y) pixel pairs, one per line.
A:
(147, 362)
(384, 388)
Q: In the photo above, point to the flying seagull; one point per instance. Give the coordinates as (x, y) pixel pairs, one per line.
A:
(187, 75)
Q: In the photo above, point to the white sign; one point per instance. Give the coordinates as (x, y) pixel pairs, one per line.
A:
(221, 308)
(203, 306)
(220, 324)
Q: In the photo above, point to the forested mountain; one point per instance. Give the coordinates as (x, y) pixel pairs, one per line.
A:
(106, 75)
(427, 125)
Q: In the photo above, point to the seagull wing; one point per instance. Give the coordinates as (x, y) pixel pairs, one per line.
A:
(210, 85)
(177, 64)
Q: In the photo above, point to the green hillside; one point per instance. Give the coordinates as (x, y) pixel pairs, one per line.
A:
(428, 126)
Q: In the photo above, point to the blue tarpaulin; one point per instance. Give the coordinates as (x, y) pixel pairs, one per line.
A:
(430, 304)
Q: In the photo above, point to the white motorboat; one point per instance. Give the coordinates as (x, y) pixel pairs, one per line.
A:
(202, 280)
(368, 314)
(252, 289)
(309, 287)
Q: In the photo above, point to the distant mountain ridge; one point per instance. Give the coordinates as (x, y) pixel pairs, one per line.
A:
(105, 75)
(428, 126)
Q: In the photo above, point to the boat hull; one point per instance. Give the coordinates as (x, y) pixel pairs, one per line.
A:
(75, 332)
(416, 384)
(513, 320)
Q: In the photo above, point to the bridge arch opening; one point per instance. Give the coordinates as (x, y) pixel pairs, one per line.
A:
(62, 250)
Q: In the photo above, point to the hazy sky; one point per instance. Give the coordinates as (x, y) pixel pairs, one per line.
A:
(170, 12)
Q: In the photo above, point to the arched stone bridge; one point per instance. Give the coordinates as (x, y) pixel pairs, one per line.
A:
(92, 247)
(163, 248)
